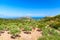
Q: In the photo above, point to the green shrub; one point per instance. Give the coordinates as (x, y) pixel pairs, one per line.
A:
(14, 31)
(20, 25)
(49, 38)
(55, 25)
(27, 28)
(2, 27)
(49, 34)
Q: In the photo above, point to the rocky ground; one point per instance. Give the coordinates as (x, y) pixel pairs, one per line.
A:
(33, 36)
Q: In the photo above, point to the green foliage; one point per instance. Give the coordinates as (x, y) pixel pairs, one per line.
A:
(20, 25)
(49, 38)
(14, 31)
(40, 25)
(49, 34)
(2, 27)
(55, 25)
(27, 28)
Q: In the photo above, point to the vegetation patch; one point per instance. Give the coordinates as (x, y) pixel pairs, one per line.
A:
(50, 27)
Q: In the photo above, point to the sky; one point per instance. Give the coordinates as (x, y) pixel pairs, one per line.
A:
(33, 8)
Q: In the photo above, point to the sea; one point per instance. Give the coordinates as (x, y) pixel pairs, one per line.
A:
(37, 17)
(20, 17)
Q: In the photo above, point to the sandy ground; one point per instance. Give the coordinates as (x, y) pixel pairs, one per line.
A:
(33, 36)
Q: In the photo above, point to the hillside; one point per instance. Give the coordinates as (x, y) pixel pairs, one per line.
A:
(45, 28)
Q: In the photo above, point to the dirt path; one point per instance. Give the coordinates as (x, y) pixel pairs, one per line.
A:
(33, 36)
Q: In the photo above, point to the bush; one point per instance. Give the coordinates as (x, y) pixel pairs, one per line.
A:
(27, 28)
(14, 31)
(49, 34)
(49, 38)
(55, 25)
(2, 27)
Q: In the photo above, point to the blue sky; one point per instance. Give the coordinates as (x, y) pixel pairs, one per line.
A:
(18, 8)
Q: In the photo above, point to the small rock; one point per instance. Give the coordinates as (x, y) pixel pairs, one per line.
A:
(13, 37)
(2, 32)
(27, 32)
(39, 30)
(8, 32)
(17, 36)
(23, 30)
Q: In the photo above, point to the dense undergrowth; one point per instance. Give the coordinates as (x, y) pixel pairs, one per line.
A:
(50, 26)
